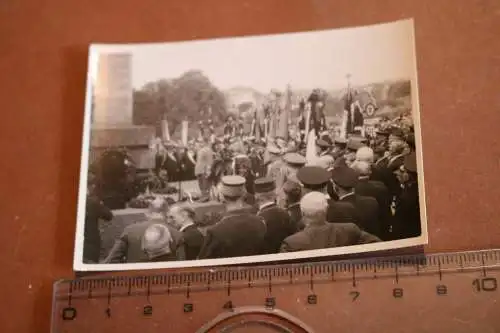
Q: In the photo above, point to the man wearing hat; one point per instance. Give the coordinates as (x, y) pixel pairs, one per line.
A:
(318, 233)
(292, 164)
(353, 144)
(169, 162)
(203, 169)
(313, 179)
(350, 207)
(324, 145)
(240, 232)
(276, 166)
(391, 162)
(277, 219)
(407, 212)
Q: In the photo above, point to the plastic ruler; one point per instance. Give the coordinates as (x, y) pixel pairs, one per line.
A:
(445, 292)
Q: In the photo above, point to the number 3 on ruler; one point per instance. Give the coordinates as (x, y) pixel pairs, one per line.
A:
(486, 284)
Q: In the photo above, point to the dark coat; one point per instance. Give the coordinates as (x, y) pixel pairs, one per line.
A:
(95, 210)
(128, 248)
(341, 212)
(367, 212)
(295, 216)
(327, 235)
(379, 192)
(237, 234)
(407, 216)
(193, 241)
(279, 226)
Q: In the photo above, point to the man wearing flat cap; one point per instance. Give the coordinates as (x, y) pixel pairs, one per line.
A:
(350, 207)
(318, 233)
(407, 211)
(277, 219)
(240, 232)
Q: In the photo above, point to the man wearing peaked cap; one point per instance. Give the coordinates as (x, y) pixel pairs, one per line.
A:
(295, 160)
(350, 207)
(264, 185)
(277, 219)
(313, 178)
(233, 187)
(407, 213)
(239, 232)
(324, 145)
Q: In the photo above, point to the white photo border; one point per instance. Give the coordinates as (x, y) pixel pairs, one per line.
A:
(78, 265)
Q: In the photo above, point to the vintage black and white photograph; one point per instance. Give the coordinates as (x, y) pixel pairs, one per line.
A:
(251, 149)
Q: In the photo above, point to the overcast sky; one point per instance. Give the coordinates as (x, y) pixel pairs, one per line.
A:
(304, 60)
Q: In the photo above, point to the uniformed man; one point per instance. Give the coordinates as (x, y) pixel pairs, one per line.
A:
(318, 233)
(377, 190)
(313, 179)
(240, 232)
(350, 207)
(407, 216)
(275, 167)
(324, 146)
(292, 162)
(277, 219)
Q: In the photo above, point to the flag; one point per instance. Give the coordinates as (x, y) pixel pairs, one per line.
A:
(184, 132)
(164, 130)
(311, 153)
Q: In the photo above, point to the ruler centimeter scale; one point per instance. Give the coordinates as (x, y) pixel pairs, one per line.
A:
(414, 293)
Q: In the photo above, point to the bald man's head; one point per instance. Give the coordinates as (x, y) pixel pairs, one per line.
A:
(314, 206)
(362, 167)
(365, 154)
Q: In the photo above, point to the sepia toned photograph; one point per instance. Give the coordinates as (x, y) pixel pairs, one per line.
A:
(251, 149)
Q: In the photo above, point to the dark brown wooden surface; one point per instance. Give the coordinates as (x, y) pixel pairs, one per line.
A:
(43, 50)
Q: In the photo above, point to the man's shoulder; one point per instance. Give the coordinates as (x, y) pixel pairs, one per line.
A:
(142, 225)
(297, 240)
(345, 228)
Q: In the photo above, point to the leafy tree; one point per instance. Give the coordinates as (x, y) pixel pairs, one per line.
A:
(192, 97)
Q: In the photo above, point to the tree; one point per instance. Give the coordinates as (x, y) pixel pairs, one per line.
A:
(192, 97)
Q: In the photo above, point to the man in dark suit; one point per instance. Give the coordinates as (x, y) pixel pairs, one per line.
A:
(94, 212)
(277, 219)
(240, 232)
(378, 191)
(293, 195)
(318, 233)
(129, 247)
(365, 209)
(183, 217)
(170, 163)
(407, 217)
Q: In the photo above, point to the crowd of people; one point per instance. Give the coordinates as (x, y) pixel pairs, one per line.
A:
(354, 190)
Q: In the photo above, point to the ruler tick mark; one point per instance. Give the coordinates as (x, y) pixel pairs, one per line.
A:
(353, 276)
(440, 272)
(270, 285)
(483, 266)
(397, 273)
